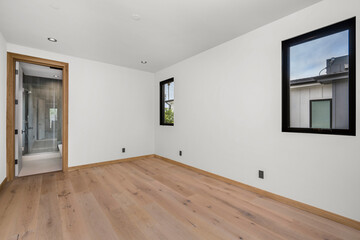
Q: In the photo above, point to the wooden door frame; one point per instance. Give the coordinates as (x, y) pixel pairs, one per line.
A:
(12, 58)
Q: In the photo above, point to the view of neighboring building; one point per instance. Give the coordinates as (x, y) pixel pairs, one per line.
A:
(322, 101)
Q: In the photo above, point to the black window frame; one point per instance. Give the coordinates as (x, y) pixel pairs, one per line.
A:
(320, 100)
(350, 25)
(162, 100)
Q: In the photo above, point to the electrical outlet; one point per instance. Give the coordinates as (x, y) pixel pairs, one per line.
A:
(261, 174)
(123, 150)
(180, 153)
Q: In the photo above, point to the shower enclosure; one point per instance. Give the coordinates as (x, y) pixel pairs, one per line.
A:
(42, 119)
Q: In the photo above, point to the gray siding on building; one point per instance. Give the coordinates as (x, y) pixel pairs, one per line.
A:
(340, 103)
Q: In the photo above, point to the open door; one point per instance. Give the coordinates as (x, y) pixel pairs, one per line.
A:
(19, 127)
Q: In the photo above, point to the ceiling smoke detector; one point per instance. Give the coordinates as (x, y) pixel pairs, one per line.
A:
(52, 39)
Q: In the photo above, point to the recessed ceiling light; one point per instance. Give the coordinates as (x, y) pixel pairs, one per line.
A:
(144, 62)
(136, 17)
(52, 39)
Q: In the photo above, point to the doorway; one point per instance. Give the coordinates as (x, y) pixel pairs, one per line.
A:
(37, 110)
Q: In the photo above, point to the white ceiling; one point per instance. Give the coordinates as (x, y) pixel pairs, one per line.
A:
(168, 30)
(41, 71)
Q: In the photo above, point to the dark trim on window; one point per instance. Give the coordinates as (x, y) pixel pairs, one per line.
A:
(349, 25)
(162, 100)
(321, 100)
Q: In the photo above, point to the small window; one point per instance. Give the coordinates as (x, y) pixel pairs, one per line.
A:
(167, 102)
(318, 81)
(53, 116)
(320, 114)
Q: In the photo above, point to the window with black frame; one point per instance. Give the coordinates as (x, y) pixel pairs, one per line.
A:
(167, 102)
(318, 81)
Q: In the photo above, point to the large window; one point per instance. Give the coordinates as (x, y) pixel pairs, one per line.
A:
(167, 102)
(318, 81)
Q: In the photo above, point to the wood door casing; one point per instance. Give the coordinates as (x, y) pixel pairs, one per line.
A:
(12, 58)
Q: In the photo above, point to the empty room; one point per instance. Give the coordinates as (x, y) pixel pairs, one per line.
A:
(179, 119)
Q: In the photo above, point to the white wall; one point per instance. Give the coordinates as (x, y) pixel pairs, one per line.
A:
(228, 118)
(110, 107)
(2, 108)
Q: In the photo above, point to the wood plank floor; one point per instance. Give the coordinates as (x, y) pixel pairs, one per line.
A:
(150, 199)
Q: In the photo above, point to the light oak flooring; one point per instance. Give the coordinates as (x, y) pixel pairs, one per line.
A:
(150, 199)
